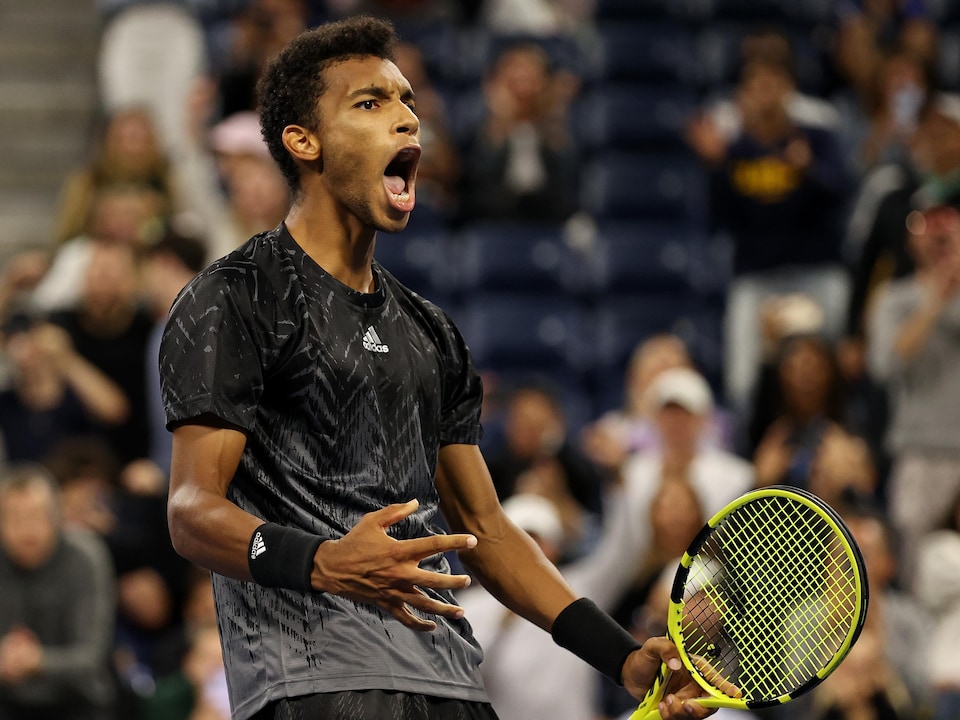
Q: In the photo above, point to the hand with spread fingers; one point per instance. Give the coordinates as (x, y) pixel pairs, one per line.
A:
(369, 566)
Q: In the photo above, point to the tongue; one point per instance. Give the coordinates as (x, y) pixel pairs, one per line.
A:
(394, 183)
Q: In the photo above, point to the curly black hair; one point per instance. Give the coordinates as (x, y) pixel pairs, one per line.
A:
(291, 86)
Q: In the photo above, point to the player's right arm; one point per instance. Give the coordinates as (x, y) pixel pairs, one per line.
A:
(206, 527)
(366, 565)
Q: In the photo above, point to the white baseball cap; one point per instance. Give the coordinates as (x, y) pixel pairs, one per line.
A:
(684, 387)
(536, 515)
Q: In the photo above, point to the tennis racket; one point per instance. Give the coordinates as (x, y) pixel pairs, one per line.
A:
(768, 599)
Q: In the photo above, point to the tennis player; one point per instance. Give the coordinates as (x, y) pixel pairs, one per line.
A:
(322, 415)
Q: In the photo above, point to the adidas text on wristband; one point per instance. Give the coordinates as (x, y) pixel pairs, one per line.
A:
(282, 557)
(595, 637)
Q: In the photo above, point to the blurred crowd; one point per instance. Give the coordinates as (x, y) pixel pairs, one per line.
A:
(695, 247)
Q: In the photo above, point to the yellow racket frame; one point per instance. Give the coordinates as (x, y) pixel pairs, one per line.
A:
(647, 710)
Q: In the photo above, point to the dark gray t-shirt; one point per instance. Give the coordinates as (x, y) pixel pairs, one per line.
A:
(345, 399)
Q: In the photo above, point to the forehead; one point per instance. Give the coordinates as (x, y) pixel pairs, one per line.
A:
(355, 73)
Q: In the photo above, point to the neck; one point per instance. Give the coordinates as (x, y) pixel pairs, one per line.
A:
(336, 240)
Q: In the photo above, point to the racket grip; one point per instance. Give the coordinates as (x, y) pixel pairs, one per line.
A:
(647, 710)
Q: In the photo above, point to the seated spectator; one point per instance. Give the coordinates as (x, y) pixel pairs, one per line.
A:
(130, 153)
(610, 440)
(808, 404)
(243, 44)
(126, 507)
(539, 457)
(123, 214)
(522, 164)
(56, 608)
(913, 349)
(110, 329)
(232, 188)
(54, 392)
(778, 190)
(842, 468)
(879, 225)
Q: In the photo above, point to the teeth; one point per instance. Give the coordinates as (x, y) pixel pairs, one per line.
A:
(402, 197)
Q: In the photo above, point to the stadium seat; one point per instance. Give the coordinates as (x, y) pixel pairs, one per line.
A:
(522, 333)
(644, 187)
(632, 117)
(419, 262)
(494, 257)
(645, 52)
(639, 259)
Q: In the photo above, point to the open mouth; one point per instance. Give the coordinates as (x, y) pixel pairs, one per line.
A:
(399, 178)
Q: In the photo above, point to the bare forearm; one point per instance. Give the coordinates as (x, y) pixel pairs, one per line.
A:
(211, 531)
(515, 571)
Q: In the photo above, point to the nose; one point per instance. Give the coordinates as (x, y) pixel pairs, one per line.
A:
(408, 123)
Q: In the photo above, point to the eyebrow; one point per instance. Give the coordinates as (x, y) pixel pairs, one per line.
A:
(380, 93)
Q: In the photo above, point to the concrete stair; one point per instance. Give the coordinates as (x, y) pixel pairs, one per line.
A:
(48, 107)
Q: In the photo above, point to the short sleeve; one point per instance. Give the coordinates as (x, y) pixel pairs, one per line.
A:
(212, 351)
(462, 392)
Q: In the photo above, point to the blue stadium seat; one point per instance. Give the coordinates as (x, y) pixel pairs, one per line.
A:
(514, 333)
(645, 52)
(641, 259)
(632, 117)
(419, 262)
(519, 258)
(684, 10)
(644, 187)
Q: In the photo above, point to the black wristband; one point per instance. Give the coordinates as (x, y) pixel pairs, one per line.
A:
(595, 637)
(282, 557)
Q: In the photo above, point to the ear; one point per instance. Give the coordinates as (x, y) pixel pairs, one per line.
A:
(301, 143)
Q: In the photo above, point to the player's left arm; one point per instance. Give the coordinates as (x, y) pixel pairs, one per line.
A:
(506, 560)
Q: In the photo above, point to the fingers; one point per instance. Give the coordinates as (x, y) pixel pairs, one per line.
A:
(673, 708)
(419, 548)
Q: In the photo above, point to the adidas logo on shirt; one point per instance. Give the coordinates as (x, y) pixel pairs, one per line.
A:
(372, 341)
(258, 547)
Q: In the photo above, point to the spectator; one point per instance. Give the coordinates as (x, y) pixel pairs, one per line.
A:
(913, 348)
(539, 457)
(130, 153)
(232, 188)
(619, 433)
(129, 515)
(110, 328)
(843, 467)
(537, 17)
(56, 608)
(807, 395)
(879, 225)
(778, 189)
(242, 46)
(522, 165)
(126, 215)
(938, 587)
(54, 392)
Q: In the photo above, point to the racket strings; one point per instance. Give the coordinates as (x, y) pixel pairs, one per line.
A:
(769, 599)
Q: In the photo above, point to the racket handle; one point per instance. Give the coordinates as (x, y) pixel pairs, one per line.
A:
(647, 710)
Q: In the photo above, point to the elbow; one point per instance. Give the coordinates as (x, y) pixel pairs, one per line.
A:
(180, 524)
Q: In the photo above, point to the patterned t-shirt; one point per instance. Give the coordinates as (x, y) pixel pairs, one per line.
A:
(345, 399)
